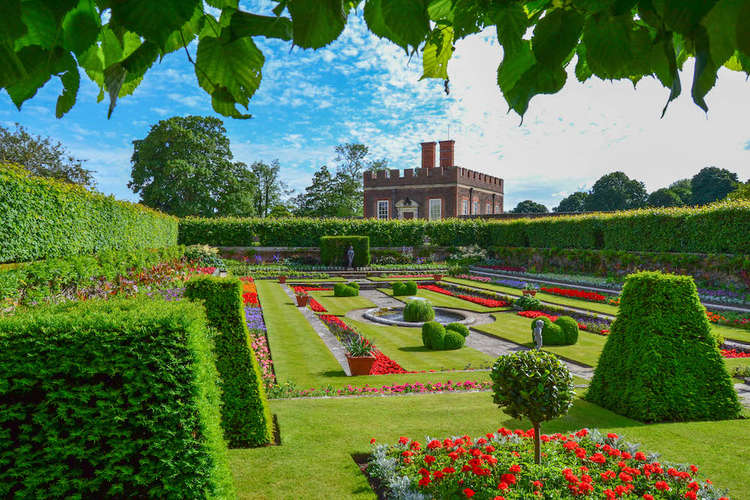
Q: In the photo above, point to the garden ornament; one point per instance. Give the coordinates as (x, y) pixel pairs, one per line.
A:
(538, 326)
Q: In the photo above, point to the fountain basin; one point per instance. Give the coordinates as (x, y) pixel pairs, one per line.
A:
(394, 316)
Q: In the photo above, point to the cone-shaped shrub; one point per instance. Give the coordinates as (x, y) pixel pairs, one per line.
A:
(661, 361)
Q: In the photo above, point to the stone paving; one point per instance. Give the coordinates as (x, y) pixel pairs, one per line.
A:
(743, 391)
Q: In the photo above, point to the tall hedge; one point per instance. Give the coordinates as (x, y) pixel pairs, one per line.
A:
(333, 250)
(720, 228)
(42, 218)
(245, 415)
(107, 399)
(661, 361)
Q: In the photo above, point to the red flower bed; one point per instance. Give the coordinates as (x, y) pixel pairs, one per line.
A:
(316, 306)
(477, 300)
(734, 353)
(409, 276)
(250, 299)
(305, 289)
(576, 294)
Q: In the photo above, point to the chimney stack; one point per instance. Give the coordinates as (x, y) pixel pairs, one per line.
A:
(446, 153)
(428, 154)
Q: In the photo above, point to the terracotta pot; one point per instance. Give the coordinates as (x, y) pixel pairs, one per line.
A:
(360, 365)
(302, 300)
(437, 277)
(529, 292)
(282, 279)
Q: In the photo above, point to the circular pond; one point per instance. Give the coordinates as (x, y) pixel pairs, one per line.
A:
(395, 316)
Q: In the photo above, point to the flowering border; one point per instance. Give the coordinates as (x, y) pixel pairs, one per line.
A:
(491, 303)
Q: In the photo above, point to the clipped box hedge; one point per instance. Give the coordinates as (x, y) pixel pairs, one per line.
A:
(246, 416)
(719, 228)
(42, 218)
(333, 250)
(113, 398)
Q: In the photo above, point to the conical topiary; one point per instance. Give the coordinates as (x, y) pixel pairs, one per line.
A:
(661, 361)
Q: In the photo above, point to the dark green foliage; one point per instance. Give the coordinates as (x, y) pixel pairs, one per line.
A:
(333, 250)
(410, 287)
(433, 335)
(712, 184)
(458, 327)
(399, 289)
(124, 402)
(563, 331)
(527, 303)
(204, 256)
(353, 284)
(572, 203)
(246, 417)
(43, 218)
(418, 311)
(529, 207)
(661, 361)
(664, 197)
(453, 340)
(616, 191)
(345, 290)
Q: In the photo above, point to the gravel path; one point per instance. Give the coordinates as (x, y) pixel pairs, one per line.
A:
(380, 299)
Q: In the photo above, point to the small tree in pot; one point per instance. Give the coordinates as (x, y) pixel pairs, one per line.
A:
(533, 384)
(359, 355)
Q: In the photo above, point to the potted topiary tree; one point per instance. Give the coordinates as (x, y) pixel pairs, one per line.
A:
(359, 355)
(302, 299)
(437, 277)
(529, 289)
(282, 279)
(533, 384)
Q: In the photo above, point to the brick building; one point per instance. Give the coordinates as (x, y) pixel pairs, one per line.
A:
(432, 192)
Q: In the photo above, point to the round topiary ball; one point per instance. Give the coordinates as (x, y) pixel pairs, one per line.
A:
(433, 335)
(416, 311)
(459, 328)
(569, 328)
(453, 340)
(410, 288)
(399, 289)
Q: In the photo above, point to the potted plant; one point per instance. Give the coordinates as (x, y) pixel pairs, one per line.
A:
(437, 277)
(529, 289)
(359, 355)
(302, 299)
(282, 279)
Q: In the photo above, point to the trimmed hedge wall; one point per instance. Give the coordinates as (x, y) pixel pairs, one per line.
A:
(333, 250)
(114, 398)
(719, 228)
(661, 361)
(43, 218)
(246, 416)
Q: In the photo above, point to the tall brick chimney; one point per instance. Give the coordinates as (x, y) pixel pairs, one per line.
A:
(446, 153)
(428, 154)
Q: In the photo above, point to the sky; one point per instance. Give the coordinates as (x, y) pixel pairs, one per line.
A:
(366, 90)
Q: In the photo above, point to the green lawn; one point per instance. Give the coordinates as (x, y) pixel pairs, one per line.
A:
(384, 278)
(442, 300)
(404, 345)
(320, 436)
(315, 280)
(339, 305)
(729, 332)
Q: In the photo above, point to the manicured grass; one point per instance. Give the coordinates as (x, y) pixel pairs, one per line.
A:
(546, 297)
(320, 436)
(339, 305)
(382, 278)
(442, 300)
(315, 280)
(404, 345)
(728, 332)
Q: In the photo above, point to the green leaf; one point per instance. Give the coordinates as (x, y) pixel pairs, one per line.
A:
(512, 22)
(742, 30)
(583, 72)
(556, 35)
(437, 52)
(141, 59)
(111, 47)
(408, 21)
(683, 15)
(373, 14)
(220, 4)
(71, 80)
(37, 63)
(11, 25)
(440, 10)
(154, 21)
(41, 26)
(513, 66)
(616, 47)
(81, 27)
(704, 73)
(536, 80)
(721, 26)
(246, 24)
(114, 77)
(187, 32)
(316, 23)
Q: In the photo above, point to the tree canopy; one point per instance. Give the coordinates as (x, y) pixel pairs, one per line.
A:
(664, 197)
(43, 157)
(116, 43)
(712, 184)
(572, 203)
(529, 207)
(616, 191)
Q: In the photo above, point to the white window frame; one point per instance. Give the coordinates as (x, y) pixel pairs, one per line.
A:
(465, 206)
(488, 208)
(497, 208)
(475, 208)
(387, 209)
(439, 206)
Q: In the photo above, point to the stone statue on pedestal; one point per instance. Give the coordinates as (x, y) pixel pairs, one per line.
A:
(538, 326)
(350, 256)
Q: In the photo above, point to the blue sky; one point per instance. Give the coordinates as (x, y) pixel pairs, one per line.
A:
(362, 89)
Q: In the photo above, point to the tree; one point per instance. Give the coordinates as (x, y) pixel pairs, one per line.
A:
(712, 184)
(184, 167)
(43, 157)
(529, 207)
(532, 384)
(116, 43)
(573, 203)
(684, 190)
(269, 188)
(741, 193)
(664, 197)
(616, 191)
(319, 198)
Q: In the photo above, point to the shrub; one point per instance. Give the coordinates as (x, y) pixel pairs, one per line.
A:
(410, 287)
(418, 311)
(404, 288)
(124, 402)
(345, 290)
(353, 284)
(204, 256)
(559, 332)
(246, 417)
(661, 361)
(453, 340)
(527, 303)
(532, 384)
(433, 335)
(333, 250)
(458, 327)
(44, 218)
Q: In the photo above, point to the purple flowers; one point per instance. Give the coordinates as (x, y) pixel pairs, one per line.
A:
(512, 283)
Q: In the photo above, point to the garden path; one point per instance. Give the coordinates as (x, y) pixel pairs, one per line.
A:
(380, 299)
(743, 391)
(333, 344)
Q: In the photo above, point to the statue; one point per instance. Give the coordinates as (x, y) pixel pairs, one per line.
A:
(350, 256)
(538, 326)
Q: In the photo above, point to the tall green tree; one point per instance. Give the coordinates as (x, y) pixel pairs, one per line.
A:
(184, 167)
(320, 197)
(616, 191)
(269, 189)
(529, 207)
(684, 189)
(574, 202)
(43, 156)
(712, 184)
(664, 197)
(114, 43)
(741, 193)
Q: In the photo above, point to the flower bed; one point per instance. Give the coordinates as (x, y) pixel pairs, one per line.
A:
(477, 300)
(290, 390)
(599, 326)
(259, 342)
(481, 279)
(737, 320)
(576, 294)
(501, 465)
(408, 276)
(249, 292)
(734, 353)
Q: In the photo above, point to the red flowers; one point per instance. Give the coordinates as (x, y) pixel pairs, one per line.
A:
(316, 306)
(734, 353)
(577, 294)
(477, 300)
